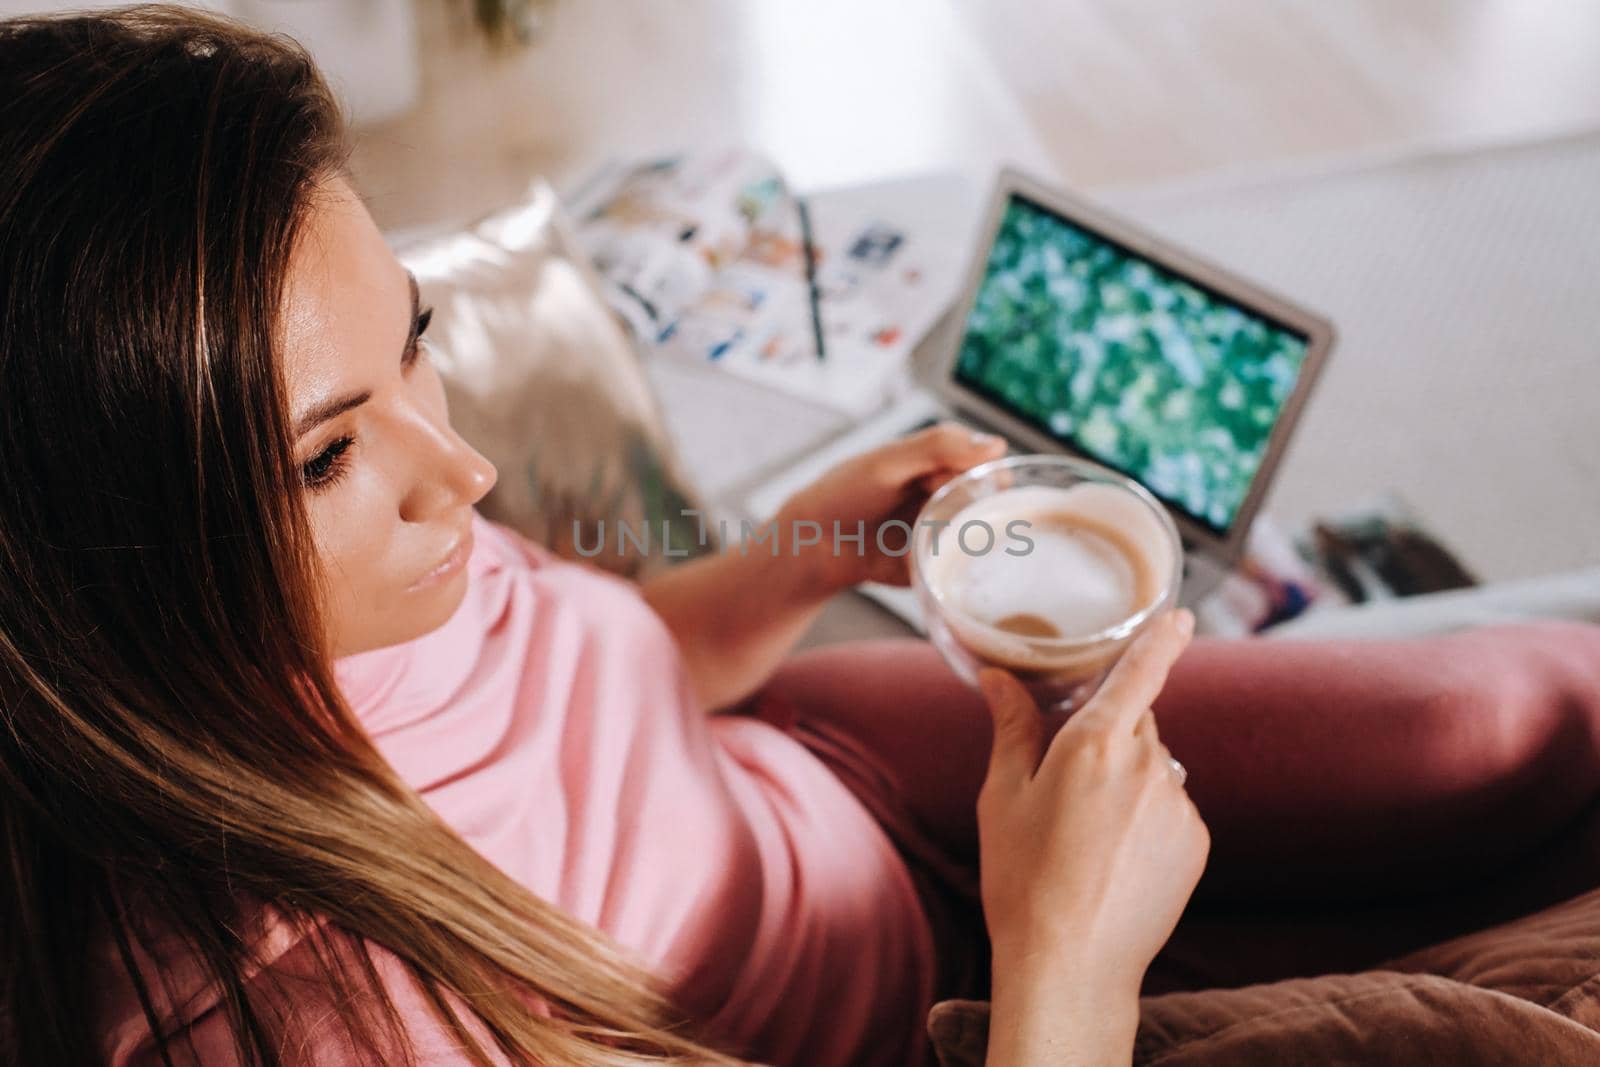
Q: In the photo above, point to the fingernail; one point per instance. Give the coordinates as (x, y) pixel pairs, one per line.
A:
(1185, 622)
(984, 440)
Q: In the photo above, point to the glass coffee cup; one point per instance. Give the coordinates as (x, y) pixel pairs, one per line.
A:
(1047, 566)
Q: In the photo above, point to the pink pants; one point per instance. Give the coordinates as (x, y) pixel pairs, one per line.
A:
(1364, 798)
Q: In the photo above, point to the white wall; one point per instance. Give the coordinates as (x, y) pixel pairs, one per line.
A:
(367, 49)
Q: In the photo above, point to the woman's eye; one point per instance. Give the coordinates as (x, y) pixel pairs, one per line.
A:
(325, 467)
(424, 317)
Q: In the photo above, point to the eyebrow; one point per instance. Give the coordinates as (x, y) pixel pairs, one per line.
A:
(338, 405)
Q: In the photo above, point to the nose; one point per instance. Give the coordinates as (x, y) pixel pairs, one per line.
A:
(450, 474)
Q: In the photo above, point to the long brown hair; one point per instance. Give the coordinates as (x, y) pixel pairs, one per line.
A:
(174, 748)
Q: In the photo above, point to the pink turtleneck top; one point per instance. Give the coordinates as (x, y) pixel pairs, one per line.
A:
(551, 723)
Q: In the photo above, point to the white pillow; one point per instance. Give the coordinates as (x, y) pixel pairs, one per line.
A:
(545, 382)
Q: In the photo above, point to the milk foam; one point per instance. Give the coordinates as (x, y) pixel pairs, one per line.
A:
(1073, 580)
(1099, 556)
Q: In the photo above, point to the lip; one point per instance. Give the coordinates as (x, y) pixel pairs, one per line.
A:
(453, 562)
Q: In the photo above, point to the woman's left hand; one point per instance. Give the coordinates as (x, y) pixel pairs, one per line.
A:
(862, 494)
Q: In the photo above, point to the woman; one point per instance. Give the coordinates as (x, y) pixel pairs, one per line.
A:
(304, 762)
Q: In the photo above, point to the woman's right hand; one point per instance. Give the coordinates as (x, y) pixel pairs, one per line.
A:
(1090, 850)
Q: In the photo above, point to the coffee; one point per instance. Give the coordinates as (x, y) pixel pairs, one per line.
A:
(1066, 566)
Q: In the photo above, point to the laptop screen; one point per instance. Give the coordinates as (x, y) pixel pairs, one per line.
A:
(1126, 362)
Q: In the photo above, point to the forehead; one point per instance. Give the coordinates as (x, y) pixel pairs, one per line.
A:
(346, 299)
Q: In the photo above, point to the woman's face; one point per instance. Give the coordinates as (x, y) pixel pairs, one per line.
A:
(389, 485)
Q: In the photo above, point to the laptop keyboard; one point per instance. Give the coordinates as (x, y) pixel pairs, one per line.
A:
(1012, 448)
(931, 420)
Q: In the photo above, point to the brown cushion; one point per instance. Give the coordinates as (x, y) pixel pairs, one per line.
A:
(1551, 958)
(1526, 992)
(544, 381)
(1378, 1018)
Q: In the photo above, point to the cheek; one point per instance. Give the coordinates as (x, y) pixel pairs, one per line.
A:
(352, 541)
(366, 602)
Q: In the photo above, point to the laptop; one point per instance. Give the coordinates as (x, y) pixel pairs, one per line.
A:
(1080, 333)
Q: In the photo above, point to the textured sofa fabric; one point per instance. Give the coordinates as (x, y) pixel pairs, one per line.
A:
(1376, 1017)
(1527, 992)
(1550, 959)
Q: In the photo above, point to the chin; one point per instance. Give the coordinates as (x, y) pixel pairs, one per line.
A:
(434, 605)
(416, 614)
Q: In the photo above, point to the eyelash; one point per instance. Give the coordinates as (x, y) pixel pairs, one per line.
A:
(326, 468)
(424, 317)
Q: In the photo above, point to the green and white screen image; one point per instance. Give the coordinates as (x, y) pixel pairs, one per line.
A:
(1127, 362)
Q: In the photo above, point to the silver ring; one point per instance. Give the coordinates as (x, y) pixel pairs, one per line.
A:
(1178, 769)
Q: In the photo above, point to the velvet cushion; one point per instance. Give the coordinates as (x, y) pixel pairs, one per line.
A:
(1526, 992)
(1550, 958)
(545, 382)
